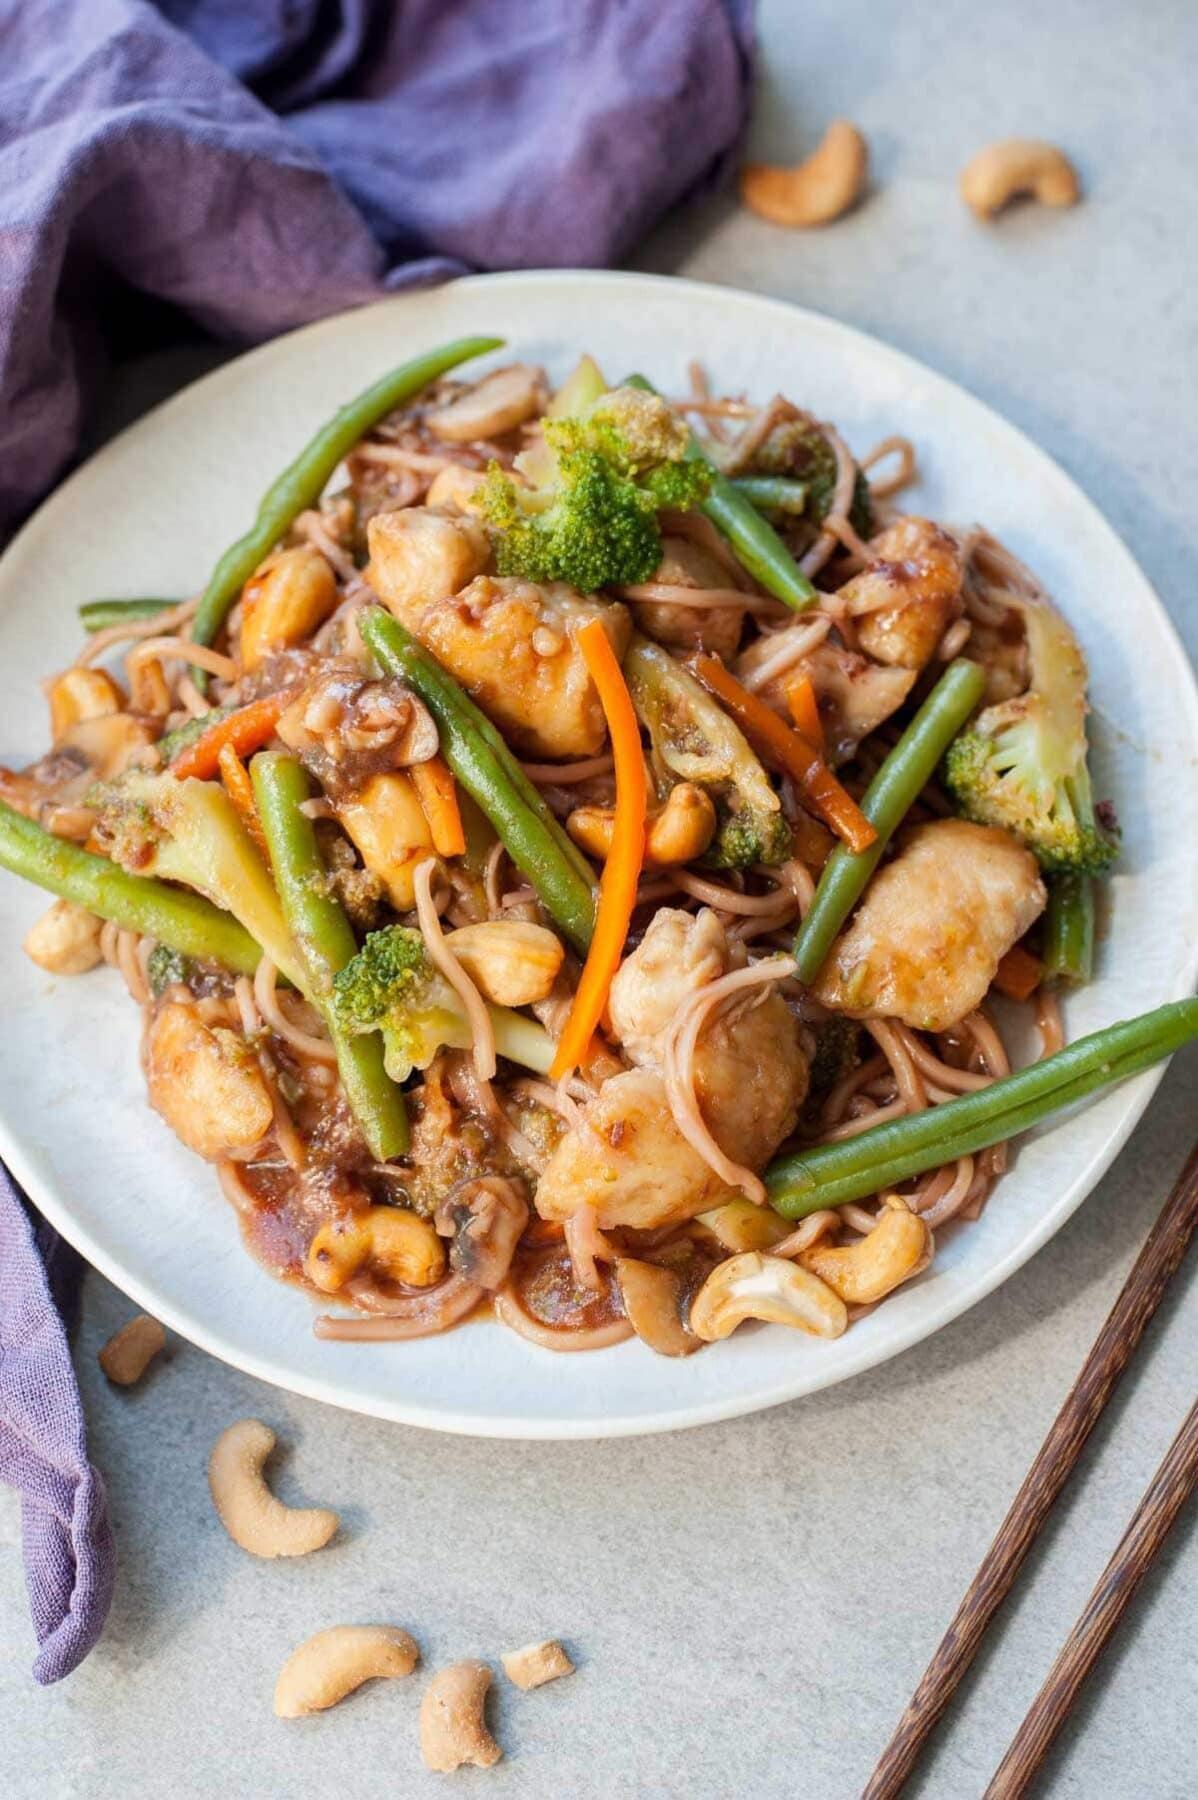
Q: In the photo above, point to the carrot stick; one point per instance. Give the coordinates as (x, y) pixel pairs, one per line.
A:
(1019, 973)
(240, 789)
(247, 730)
(788, 751)
(804, 710)
(437, 793)
(621, 871)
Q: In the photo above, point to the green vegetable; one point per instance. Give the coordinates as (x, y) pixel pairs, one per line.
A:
(697, 741)
(304, 480)
(393, 986)
(1022, 765)
(1069, 928)
(165, 967)
(189, 831)
(753, 540)
(772, 493)
(490, 774)
(799, 449)
(175, 916)
(601, 478)
(175, 742)
(326, 942)
(97, 615)
(887, 800)
(833, 1174)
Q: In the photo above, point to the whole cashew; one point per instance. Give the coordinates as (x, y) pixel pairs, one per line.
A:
(754, 1286)
(1016, 166)
(818, 190)
(453, 1730)
(130, 1351)
(332, 1664)
(899, 1246)
(245, 1506)
(677, 832)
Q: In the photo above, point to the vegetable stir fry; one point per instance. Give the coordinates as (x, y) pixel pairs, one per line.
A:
(581, 849)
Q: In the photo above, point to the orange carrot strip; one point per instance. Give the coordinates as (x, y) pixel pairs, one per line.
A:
(247, 730)
(240, 790)
(437, 793)
(1019, 973)
(621, 871)
(788, 751)
(804, 710)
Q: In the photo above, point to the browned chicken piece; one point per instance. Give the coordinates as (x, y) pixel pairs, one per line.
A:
(206, 1084)
(420, 554)
(854, 695)
(933, 926)
(629, 1161)
(713, 628)
(750, 1065)
(511, 645)
(908, 595)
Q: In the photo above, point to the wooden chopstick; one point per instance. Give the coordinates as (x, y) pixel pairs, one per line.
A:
(1109, 1356)
(1163, 1500)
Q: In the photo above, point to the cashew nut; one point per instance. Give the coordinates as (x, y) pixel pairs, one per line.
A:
(1016, 166)
(898, 1247)
(81, 694)
(245, 1506)
(752, 1286)
(512, 962)
(332, 1664)
(65, 940)
(818, 190)
(453, 1730)
(677, 832)
(536, 1664)
(399, 1245)
(455, 486)
(130, 1351)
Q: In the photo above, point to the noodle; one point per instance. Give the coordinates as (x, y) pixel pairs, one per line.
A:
(791, 646)
(668, 593)
(904, 449)
(101, 641)
(482, 1034)
(511, 1313)
(270, 1006)
(413, 1315)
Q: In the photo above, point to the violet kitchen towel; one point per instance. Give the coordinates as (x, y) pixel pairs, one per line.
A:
(260, 163)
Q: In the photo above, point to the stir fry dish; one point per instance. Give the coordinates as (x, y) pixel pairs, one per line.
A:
(576, 857)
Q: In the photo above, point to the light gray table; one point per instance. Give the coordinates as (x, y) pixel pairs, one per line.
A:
(751, 1604)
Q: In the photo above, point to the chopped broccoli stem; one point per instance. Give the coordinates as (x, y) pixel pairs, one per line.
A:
(1069, 928)
(165, 967)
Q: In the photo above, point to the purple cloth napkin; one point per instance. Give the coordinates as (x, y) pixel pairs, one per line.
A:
(260, 163)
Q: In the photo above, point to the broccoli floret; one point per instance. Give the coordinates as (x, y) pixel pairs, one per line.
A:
(1022, 763)
(750, 835)
(393, 986)
(151, 823)
(837, 1042)
(592, 518)
(801, 450)
(165, 967)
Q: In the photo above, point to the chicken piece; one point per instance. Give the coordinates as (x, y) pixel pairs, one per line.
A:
(421, 554)
(854, 695)
(206, 1084)
(750, 1065)
(629, 1161)
(908, 595)
(933, 926)
(713, 628)
(511, 645)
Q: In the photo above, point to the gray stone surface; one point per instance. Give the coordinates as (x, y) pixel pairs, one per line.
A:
(750, 1604)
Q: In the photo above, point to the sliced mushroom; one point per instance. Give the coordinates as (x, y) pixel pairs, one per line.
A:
(653, 1296)
(485, 1219)
(498, 403)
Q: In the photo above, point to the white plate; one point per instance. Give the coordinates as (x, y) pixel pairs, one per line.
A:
(151, 513)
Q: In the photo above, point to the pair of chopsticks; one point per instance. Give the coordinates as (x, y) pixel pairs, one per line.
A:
(1163, 1501)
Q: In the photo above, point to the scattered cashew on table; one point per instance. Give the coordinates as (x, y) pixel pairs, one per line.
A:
(1018, 166)
(130, 1351)
(453, 1730)
(254, 1517)
(330, 1665)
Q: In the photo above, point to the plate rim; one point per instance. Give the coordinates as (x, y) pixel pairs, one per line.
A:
(924, 1324)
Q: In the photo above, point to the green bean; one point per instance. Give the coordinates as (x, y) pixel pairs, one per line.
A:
(1069, 929)
(175, 742)
(490, 774)
(752, 539)
(325, 941)
(834, 1174)
(887, 800)
(175, 916)
(304, 480)
(772, 493)
(98, 615)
